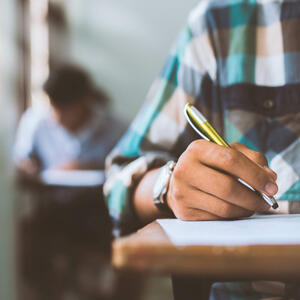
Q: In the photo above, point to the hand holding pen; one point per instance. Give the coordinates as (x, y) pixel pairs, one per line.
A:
(203, 185)
(206, 131)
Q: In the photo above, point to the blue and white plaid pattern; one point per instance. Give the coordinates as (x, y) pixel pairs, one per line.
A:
(238, 62)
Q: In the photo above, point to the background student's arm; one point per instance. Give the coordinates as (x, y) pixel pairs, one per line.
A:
(25, 155)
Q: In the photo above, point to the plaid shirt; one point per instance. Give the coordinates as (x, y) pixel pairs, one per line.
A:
(238, 62)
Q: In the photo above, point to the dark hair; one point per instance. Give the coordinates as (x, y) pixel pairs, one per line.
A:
(69, 84)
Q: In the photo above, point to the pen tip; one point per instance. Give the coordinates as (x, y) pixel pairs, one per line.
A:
(275, 205)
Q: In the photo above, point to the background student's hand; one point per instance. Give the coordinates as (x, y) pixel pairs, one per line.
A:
(203, 185)
(28, 168)
(68, 166)
(77, 165)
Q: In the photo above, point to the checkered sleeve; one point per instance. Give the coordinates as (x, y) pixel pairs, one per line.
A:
(149, 141)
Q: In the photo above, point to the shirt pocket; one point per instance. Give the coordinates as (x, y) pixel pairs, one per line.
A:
(266, 119)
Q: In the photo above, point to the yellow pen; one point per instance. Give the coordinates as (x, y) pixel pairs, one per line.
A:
(199, 123)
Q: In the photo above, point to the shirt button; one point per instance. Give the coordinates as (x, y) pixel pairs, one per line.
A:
(268, 104)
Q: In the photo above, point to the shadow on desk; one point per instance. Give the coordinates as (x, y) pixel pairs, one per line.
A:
(64, 239)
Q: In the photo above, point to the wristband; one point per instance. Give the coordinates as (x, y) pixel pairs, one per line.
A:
(161, 185)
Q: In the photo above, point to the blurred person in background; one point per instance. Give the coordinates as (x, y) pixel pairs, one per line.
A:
(65, 231)
(76, 132)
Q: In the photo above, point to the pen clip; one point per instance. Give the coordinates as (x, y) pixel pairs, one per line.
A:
(194, 127)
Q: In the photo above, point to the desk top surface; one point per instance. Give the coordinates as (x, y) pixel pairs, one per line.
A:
(150, 250)
(72, 178)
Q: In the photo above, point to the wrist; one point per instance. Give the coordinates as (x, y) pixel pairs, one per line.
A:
(168, 195)
(161, 187)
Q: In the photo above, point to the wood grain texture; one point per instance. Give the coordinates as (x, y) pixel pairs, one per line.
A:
(149, 250)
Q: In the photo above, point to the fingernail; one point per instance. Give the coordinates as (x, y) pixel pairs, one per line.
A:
(271, 188)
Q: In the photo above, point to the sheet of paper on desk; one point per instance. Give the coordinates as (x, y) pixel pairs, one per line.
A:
(267, 230)
(75, 178)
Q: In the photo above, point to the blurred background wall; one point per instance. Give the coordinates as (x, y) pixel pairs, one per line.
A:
(123, 43)
(8, 95)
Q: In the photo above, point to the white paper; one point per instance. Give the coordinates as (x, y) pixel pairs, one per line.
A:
(257, 230)
(78, 178)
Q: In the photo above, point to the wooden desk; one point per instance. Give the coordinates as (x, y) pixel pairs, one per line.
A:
(64, 241)
(150, 251)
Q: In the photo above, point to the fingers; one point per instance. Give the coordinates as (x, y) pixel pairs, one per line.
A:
(235, 163)
(271, 172)
(224, 187)
(192, 214)
(215, 206)
(255, 156)
(204, 183)
(177, 197)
